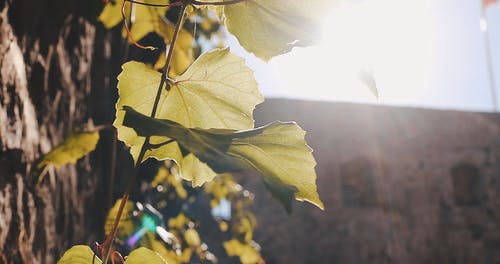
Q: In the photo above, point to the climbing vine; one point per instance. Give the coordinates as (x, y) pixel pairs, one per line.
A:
(193, 110)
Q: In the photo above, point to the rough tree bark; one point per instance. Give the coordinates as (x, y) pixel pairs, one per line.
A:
(55, 68)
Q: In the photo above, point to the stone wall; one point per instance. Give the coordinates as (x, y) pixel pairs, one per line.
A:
(400, 185)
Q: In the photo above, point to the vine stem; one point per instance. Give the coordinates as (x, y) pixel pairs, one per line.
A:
(110, 238)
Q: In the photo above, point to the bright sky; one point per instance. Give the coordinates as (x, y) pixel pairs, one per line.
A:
(422, 53)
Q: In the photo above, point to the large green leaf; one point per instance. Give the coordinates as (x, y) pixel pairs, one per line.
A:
(79, 254)
(71, 149)
(217, 91)
(143, 255)
(272, 27)
(277, 151)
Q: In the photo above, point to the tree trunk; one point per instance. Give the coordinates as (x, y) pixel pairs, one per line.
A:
(55, 68)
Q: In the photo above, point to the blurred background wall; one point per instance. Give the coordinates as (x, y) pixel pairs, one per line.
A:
(400, 185)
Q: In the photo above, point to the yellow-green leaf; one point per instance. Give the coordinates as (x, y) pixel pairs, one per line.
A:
(272, 27)
(246, 253)
(278, 152)
(217, 91)
(143, 255)
(79, 254)
(72, 149)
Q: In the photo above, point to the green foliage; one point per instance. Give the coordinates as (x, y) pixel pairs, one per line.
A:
(277, 151)
(217, 91)
(203, 122)
(79, 254)
(143, 255)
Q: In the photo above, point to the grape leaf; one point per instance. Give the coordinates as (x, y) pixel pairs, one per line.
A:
(71, 149)
(273, 27)
(278, 152)
(79, 254)
(217, 91)
(143, 255)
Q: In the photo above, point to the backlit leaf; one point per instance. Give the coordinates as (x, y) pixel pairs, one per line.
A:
(71, 149)
(143, 255)
(272, 27)
(217, 91)
(79, 254)
(278, 152)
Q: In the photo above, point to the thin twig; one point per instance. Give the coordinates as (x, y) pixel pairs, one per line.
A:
(129, 34)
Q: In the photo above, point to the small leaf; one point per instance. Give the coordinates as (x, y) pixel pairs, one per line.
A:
(217, 91)
(273, 27)
(246, 253)
(79, 254)
(278, 152)
(143, 255)
(72, 149)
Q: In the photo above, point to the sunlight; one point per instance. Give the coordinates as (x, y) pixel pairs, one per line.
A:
(388, 38)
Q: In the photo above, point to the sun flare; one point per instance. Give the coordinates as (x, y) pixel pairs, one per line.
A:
(362, 37)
